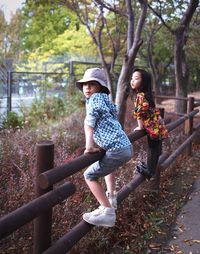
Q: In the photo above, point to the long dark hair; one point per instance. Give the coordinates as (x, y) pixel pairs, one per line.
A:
(146, 86)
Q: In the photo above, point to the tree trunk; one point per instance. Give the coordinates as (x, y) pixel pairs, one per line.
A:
(123, 88)
(155, 70)
(181, 68)
(129, 60)
(181, 71)
(123, 85)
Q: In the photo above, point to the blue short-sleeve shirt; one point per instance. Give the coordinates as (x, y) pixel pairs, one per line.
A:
(101, 115)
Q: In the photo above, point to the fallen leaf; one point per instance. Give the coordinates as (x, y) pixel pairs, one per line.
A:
(188, 241)
(180, 230)
(196, 241)
(155, 246)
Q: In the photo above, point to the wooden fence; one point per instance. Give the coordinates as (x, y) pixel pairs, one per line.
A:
(40, 209)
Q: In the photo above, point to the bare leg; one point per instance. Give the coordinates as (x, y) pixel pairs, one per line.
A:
(110, 183)
(99, 193)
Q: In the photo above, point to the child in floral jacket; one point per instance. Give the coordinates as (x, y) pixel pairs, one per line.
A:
(149, 119)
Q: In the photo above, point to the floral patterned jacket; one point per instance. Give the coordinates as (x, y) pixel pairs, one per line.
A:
(152, 121)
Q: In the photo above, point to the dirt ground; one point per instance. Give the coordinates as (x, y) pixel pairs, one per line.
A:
(186, 231)
(177, 234)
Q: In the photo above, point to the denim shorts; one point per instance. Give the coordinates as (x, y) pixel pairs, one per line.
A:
(110, 162)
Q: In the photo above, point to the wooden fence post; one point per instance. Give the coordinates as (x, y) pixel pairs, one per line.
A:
(189, 124)
(43, 223)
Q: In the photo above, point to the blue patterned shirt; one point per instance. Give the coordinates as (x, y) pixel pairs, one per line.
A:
(101, 115)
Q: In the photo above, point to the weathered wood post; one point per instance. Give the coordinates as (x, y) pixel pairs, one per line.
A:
(43, 223)
(189, 124)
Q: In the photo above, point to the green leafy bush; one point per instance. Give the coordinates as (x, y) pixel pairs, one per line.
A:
(46, 109)
(12, 121)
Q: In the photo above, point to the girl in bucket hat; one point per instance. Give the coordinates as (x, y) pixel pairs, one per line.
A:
(103, 129)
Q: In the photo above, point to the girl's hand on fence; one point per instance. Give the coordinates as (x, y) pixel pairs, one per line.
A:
(138, 128)
(91, 150)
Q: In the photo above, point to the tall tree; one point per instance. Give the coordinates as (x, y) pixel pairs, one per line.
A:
(44, 21)
(192, 52)
(3, 35)
(158, 49)
(134, 42)
(180, 33)
(95, 16)
(65, 47)
(102, 23)
(14, 35)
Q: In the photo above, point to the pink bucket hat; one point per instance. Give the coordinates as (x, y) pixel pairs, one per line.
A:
(93, 74)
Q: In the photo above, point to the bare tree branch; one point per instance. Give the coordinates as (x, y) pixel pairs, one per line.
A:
(159, 15)
(130, 31)
(189, 13)
(137, 41)
(111, 8)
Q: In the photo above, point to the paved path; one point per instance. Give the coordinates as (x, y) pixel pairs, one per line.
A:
(187, 231)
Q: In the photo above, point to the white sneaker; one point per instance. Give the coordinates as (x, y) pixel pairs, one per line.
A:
(112, 199)
(102, 216)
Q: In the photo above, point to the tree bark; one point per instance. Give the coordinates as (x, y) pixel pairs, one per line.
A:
(181, 71)
(180, 39)
(129, 60)
(156, 77)
(181, 67)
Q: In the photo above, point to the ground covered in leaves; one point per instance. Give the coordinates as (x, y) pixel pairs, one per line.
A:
(144, 219)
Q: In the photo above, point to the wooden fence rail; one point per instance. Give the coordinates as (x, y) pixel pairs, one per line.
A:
(66, 242)
(180, 149)
(26, 213)
(57, 174)
(47, 198)
(197, 104)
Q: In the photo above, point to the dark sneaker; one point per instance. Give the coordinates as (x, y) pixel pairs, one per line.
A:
(143, 170)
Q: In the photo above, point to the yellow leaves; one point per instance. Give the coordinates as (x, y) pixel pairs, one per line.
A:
(181, 227)
(155, 246)
(175, 249)
(191, 241)
(196, 241)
